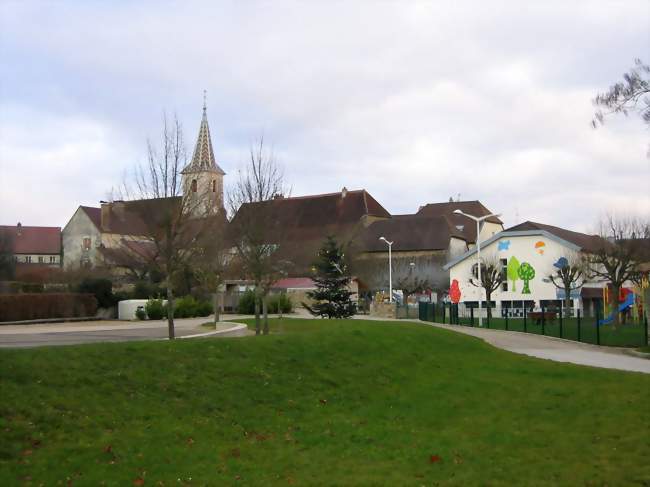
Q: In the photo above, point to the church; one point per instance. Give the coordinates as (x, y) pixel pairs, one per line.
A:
(114, 235)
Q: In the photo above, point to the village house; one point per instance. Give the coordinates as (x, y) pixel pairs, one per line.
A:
(35, 251)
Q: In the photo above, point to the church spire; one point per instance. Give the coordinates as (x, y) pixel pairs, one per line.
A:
(203, 157)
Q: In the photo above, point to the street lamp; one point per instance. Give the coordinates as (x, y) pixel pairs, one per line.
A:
(390, 269)
(478, 221)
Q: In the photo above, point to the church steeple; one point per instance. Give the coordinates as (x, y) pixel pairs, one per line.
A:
(202, 177)
(203, 158)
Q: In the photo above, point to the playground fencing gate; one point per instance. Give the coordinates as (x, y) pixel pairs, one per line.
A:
(548, 322)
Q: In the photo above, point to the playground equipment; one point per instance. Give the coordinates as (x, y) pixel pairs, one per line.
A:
(622, 307)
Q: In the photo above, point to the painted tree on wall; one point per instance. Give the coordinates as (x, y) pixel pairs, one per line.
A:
(513, 271)
(526, 273)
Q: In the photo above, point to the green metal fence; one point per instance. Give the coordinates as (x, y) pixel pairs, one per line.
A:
(585, 329)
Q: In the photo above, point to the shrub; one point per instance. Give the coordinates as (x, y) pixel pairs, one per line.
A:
(140, 314)
(155, 309)
(147, 290)
(16, 307)
(204, 308)
(33, 287)
(185, 307)
(246, 304)
(280, 303)
(101, 288)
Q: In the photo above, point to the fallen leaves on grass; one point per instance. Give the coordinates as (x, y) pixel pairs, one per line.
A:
(434, 459)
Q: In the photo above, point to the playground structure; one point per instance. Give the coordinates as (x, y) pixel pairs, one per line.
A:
(630, 304)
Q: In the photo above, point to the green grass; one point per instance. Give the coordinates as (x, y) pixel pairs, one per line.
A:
(318, 403)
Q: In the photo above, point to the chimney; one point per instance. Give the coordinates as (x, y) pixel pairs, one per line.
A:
(118, 207)
(344, 192)
(19, 229)
(106, 215)
(278, 196)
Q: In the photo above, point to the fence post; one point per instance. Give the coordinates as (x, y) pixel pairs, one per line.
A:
(597, 328)
(506, 319)
(543, 321)
(443, 313)
(471, 316)
(525, 330)
(578, 324)
(645, 326)
(560, 320)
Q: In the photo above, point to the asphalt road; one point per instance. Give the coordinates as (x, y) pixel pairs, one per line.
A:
(21, 336)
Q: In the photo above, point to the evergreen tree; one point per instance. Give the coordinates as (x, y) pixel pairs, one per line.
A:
(332, 296)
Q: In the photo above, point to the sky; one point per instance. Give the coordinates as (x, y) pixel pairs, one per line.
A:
(416, 102)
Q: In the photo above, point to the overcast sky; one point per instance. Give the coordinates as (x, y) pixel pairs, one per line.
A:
(415, 102)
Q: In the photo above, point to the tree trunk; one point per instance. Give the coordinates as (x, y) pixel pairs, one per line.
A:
(266, 314)
(216, 308)
(170, 310)
(488, 298)
(258, 329)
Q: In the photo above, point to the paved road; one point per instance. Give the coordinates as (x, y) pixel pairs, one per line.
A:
(14, 336)
(556, 349)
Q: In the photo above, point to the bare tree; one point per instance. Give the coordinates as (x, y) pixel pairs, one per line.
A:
(616, 259)
(167, 224)
(569, 275)
(411, 276)
(254, 226)
(625, 96)
(492, 276)
(212, 263)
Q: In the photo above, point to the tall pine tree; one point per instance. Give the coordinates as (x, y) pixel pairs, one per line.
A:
(332, 295)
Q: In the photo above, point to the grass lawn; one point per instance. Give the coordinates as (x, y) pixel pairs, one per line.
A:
(319, 403)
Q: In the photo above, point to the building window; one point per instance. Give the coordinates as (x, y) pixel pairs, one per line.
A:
(86, 243)
(15, 258)
(193, 185)
(214, 185)
(28, 259)
(41, 259)
(52, 259)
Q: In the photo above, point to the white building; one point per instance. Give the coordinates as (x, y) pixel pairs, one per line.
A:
(538, 247)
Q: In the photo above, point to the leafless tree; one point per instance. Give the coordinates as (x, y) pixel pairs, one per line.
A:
(411, 275)
(168, 225)
(569, 275)
(492, 276)
(616, 258)
(254, 226)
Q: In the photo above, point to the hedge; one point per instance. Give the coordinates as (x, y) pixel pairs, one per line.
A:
(17, 307)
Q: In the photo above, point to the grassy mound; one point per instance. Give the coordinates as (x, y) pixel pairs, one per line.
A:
(318, 403)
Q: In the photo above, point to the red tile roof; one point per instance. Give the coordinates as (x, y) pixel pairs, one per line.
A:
(295, 283)
(33, 240)
(589, 243)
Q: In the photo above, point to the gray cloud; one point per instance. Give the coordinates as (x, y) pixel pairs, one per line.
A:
(415, 102)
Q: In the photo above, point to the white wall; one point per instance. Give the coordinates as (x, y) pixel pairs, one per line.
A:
(523, 248)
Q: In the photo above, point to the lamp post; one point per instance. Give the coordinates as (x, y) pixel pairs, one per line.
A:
(390, 269)
(478, 221)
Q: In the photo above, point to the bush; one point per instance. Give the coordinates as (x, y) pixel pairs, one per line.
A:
(147, 290)
(102, 289)
(185, 307)
(16, 307)
(33, 287)
(279, 303)
(204, 308)
(246, 304)
(155, 309)
(140, 314)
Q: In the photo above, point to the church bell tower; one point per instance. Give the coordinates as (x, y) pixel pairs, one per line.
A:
(202, 177)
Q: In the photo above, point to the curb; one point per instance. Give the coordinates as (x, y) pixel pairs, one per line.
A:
(237, 327)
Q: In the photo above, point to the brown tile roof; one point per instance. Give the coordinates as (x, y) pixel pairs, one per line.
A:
(586, 242)
(135, 217)
(411, 233)
(475, 208)
(32, 240)
(315, 216)
(95, 215)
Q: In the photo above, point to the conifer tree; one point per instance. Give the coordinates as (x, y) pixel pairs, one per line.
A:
(332, 295)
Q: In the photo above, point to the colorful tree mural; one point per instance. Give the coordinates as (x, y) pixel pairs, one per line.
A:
(526, 273)
(454, 292)
(513, 271)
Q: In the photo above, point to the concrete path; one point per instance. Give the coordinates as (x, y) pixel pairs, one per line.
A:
(556, 349)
